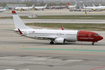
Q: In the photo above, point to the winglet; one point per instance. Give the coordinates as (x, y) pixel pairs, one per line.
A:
(62, 27)
(20, 31)
(13, 12)
(67, 4)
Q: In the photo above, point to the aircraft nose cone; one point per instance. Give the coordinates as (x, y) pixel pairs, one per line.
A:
(101, 37)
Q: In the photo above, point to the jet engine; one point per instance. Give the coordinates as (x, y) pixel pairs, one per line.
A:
(59, 40)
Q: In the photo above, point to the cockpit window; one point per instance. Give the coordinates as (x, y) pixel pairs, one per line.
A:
(96, 34)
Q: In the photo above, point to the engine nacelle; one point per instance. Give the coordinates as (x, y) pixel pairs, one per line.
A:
(59, 40)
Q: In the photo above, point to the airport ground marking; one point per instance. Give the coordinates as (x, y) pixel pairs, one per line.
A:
(53, 49)
(98, 68)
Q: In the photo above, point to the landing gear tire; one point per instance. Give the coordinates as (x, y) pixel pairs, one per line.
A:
(51, 42)
(92, 43)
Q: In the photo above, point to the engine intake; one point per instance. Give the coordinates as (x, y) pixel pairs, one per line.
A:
(59, 40)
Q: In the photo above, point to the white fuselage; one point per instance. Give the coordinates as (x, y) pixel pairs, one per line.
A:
(95, 7)
(101, 7)
(69, 35)
(25, 8)
(89, 7)
(2, 10)
(40, 8)
(72, 6)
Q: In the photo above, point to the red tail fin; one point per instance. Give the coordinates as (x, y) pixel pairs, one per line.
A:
(67, 4)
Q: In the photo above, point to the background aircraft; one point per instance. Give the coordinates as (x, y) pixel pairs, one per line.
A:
(100, 7)
(72, 6)
(94, 7)
(88, 7)
(24, 8)
(56, 36)
(2, 10)
(40, 7)
(59, 7)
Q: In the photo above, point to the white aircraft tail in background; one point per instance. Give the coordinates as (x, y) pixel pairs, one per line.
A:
(2, 10)
(56, 36)
(99, 4)
(73, 6)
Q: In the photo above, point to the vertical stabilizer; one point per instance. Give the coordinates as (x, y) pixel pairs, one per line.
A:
(6, 7)
(93, 5)
(76, 3)
(45, 6)
(18, 22)
(67, 4)
(84, 6)
(99, 4)
(33, 5)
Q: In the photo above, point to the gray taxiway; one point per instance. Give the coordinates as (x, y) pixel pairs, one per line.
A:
(10, 21)
(21, 53)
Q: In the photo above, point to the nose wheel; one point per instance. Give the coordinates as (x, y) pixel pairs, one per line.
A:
(93, 43)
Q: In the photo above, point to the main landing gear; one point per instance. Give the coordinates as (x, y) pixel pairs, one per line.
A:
(52, 42)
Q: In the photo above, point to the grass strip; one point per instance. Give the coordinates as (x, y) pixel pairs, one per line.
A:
(62, 17)
(93, 27)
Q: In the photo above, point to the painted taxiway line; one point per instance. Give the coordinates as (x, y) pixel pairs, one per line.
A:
(63, 49)
(97, 68)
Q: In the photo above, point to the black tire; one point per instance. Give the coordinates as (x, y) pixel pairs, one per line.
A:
(92, 43)
(52, 42)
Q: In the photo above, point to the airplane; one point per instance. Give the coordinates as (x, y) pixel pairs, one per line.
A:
(24, 8)
(94, 7)
(72, 6)
(59, 7)
(55, 36)
(100, 7)
(2, 10)
(88, 7)
(40, 7)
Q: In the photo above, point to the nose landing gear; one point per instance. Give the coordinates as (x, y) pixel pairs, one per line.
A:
(92, 43)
